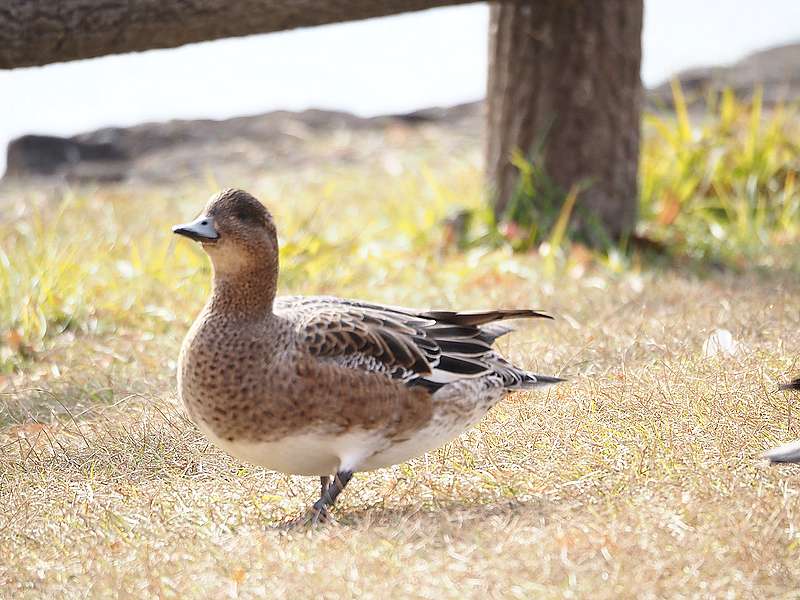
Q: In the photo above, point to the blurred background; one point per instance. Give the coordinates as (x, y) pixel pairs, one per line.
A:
(380, 66)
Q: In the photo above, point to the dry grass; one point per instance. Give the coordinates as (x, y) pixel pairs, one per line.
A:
(639, 477)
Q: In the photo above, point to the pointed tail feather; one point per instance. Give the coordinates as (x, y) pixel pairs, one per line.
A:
(482, 317)
(532, 380)
(491, 331)
(794, 384)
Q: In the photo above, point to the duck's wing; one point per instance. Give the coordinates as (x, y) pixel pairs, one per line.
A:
(426, 348)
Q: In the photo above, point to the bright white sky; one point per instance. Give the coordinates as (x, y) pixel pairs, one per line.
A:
(394, 64)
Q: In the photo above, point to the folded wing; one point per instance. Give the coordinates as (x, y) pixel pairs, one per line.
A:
(424, 348)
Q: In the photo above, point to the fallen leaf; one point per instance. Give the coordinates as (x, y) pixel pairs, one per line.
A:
(14, 340)
(670, 209)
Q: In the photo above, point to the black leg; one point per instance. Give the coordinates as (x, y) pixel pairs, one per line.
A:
(330, 494)
(340, 480)
(324, 481)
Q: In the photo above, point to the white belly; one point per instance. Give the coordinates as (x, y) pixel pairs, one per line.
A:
(308, 453)
(434, 435)
(318, 453)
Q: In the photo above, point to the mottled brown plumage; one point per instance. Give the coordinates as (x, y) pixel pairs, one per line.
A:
(322, 385)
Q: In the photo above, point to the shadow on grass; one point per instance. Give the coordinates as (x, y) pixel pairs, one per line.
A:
(406, 519)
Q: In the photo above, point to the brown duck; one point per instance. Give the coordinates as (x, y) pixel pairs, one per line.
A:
(321, 385)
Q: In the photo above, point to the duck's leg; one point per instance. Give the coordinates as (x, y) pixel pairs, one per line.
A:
(329, 495)
(318, 515)
(340, 480)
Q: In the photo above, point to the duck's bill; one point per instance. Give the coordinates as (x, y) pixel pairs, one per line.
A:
(200, 230)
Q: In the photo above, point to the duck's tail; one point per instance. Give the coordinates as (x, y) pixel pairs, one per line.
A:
(530, 381)
(476, 318)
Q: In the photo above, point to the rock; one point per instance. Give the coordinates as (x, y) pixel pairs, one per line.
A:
(776, 69)
(242, 146)
(49, 156)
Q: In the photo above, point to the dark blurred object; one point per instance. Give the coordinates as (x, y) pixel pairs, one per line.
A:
(794, 384)
(455, 229)
(69, 158)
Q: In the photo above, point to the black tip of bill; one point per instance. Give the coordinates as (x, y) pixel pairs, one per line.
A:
(192, 235)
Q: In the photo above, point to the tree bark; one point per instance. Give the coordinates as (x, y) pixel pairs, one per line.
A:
(566, 73)
(38, 32)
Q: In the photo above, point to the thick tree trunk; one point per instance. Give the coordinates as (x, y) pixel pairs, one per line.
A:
(566, 72)
(38, 32)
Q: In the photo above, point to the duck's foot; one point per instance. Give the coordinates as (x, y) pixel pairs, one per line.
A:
(319, 513)
(312, 517)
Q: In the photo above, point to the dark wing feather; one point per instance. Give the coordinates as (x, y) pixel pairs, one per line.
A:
(491, 331)
(482, 317)
(462, 348)
(794, 384)
(421, 348)
(336, 333)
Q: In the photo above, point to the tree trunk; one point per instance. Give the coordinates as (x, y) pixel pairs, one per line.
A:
(566, 73)
(38, 32)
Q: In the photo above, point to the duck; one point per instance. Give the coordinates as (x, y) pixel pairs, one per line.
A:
(790, 452)
(324, 386)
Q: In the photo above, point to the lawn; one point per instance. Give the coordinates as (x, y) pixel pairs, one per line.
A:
(638, 477)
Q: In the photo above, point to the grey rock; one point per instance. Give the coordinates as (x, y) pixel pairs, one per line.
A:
(181, 149)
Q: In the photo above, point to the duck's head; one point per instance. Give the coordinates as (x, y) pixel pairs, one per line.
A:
(236, 231)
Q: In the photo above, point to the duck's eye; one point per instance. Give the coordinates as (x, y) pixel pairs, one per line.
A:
(246, 216)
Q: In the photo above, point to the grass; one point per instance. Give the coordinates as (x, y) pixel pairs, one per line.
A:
(724, 188)
(639, 477)
(715, 187)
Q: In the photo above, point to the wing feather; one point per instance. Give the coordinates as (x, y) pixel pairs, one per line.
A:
(421, 348)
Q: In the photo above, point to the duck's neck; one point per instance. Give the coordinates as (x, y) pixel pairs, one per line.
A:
(246, 294)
